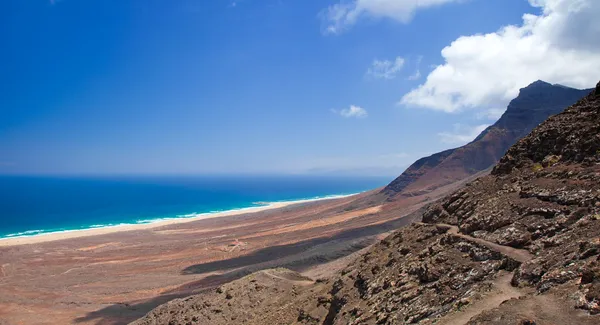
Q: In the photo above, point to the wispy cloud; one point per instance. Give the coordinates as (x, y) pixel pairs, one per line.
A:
(417, 74)
(462, 134)
(339, 17)
(352, 111)
(385, 69)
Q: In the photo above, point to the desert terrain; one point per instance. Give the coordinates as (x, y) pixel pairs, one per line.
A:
(119, 276)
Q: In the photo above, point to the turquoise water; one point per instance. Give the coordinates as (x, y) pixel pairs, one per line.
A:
(36, 205)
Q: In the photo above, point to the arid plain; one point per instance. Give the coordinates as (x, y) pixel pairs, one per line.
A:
(118, 276)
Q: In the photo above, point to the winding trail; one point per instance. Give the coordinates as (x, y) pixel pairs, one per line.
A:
(502, 288)
(501, 292)
(520, 255)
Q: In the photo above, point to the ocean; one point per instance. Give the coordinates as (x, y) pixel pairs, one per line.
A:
(32, 206)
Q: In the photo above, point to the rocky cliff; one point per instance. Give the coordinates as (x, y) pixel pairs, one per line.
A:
(534, 104)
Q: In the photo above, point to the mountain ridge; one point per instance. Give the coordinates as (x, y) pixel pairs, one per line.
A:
(535, 103)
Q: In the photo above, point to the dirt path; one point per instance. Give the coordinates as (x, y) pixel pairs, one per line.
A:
(502, 291)
(520, 255)
(502, 288)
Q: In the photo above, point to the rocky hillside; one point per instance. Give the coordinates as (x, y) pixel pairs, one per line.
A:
(534, 223)
(519, 246)
(534, 104)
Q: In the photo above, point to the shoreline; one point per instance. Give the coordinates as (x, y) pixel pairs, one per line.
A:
(87, 232)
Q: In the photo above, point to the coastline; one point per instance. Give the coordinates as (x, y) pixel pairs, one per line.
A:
(86, 232)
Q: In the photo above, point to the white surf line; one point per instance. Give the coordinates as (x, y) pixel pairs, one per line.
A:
(78, 233)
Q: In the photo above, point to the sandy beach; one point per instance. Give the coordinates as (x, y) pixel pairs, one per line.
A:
(69, 234)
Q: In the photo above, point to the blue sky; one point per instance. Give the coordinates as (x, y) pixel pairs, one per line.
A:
(269, 86)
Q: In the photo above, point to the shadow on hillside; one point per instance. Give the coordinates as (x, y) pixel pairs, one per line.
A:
(298, 257)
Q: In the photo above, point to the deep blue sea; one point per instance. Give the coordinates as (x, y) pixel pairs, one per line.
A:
(36, 205)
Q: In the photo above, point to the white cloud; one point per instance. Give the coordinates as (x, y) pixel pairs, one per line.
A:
(385, 69)
(462, 134)
(560, 45)
(346, 13)
(352, 111)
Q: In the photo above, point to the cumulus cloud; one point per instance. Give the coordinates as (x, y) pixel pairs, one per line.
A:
(385, 69)
(462, 134)
(559, 45)
(342, 15)
(352, 111)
